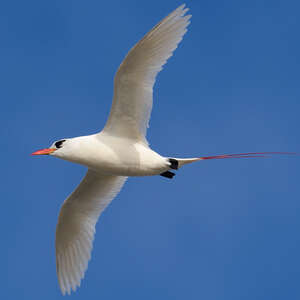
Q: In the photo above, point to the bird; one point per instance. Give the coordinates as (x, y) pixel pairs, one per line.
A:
(120, 150)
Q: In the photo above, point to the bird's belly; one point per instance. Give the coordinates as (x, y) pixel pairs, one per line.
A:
(130, 168)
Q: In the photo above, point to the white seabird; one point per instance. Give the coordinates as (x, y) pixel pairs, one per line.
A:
(118, 151)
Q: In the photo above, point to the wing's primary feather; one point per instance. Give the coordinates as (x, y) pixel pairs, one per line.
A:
(133, 83)
(76, 226)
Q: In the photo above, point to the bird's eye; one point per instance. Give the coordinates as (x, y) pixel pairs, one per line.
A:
(59, 144)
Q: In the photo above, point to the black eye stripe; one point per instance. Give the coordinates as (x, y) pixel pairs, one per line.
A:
(59, 143)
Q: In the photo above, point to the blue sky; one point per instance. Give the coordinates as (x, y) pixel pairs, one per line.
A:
(224, 229)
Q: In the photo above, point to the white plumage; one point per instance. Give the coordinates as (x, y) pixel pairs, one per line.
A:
(76, 225)
(120, 149)
(133, 84)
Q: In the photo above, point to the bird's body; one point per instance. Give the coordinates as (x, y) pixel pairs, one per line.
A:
(114, 155)
(118, 151)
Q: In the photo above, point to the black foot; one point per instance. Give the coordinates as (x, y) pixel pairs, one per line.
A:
(168, 174)
(174, 163)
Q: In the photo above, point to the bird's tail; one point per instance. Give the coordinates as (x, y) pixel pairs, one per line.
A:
(184, 161)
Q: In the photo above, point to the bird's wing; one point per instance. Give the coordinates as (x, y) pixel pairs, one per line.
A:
(76, 226)
(134, 80)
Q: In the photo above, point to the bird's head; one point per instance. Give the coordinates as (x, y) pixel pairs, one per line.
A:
(58, 148)
(71, 149)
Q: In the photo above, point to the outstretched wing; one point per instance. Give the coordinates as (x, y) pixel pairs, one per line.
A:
(76, 226)
(133, 83)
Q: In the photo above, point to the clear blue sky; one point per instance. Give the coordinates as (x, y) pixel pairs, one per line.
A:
(224, 229)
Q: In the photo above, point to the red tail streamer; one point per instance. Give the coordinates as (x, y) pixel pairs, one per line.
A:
(250, 154)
